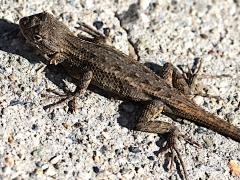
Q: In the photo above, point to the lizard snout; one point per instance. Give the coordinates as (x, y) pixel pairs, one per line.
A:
(23, 21)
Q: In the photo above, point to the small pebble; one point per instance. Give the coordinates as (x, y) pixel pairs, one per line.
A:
(55, 159)
(38, 171)
(9, 161)
(96, 169)
(50, 171)
(134, 149)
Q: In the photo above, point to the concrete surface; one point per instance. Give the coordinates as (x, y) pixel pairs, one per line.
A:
(95, 143)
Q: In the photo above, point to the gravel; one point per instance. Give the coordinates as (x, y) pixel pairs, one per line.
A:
(96, 142)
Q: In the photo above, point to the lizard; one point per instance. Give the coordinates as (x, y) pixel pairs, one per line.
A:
(91, 61)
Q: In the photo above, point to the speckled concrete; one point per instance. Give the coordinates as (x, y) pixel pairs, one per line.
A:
(96, 142)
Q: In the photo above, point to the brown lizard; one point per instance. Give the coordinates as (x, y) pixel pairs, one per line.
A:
(89, 60)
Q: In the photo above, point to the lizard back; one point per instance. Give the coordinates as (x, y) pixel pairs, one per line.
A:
(115, 71)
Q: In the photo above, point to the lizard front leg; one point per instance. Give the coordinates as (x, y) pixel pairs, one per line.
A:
(57, 58)
(147, 123)
(82, 85)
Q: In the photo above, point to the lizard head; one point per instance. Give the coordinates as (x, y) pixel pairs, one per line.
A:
(44, 32)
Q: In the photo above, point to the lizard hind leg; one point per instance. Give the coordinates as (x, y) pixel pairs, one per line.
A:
(146, 123)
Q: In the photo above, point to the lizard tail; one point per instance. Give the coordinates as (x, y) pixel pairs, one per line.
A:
(201, 117)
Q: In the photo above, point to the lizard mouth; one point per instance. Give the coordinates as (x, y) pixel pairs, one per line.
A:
(50, 55)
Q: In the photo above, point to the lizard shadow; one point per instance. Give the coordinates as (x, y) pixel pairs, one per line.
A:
(12, 41)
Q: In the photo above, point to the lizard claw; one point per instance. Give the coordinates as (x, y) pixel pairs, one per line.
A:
(192, 73)
(67, 96)
(190, 140)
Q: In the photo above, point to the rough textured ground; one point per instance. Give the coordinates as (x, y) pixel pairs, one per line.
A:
(95, 143)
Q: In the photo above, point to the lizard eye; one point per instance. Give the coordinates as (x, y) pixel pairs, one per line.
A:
(37, 38)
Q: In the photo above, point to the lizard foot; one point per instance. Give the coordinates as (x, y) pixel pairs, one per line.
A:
(191, 76)
(192, 73)
(173, 133)
(172, 146)
(68, 96)
(82, 86)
